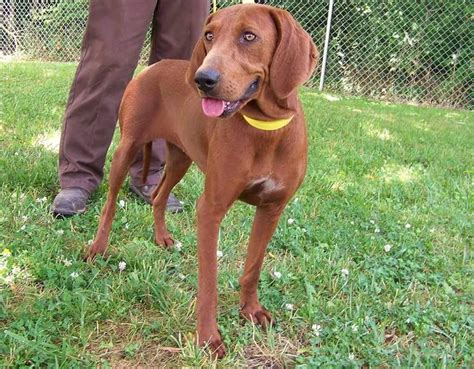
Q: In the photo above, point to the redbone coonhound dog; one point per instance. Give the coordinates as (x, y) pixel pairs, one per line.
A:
(233, 110)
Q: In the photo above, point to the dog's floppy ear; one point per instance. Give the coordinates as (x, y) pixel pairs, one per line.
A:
(295, 55)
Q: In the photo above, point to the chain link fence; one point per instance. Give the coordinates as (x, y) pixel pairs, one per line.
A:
(419, 51)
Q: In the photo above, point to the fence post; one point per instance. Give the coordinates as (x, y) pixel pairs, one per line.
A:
(326, 45)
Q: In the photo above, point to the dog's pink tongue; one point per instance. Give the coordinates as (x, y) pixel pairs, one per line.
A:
(212, 107)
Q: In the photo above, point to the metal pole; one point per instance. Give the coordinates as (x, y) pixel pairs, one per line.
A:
(326, 45)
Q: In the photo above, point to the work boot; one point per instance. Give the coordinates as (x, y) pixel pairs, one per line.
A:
(173, 205)
(70, 201)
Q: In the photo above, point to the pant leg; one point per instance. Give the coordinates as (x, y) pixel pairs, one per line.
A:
(177, 25)
(111, 47)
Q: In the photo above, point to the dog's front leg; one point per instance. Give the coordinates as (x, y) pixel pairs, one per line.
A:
(209, 217)
(264, 225)
(122, 159)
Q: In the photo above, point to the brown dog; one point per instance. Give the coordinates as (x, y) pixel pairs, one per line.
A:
(243, 126)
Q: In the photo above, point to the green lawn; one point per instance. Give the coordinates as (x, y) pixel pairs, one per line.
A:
(370, 265)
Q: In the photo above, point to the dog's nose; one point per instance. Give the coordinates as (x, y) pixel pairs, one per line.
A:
(207, 79)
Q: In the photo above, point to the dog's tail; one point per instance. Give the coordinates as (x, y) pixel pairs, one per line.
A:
(146, 160)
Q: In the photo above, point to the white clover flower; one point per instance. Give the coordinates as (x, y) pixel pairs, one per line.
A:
(296, 200)
(43, 199)
(122, 203)
(9, 279)
(291, 221)
(387, 247)
(178, 245)
(67, 262)
(354, 328)
(372, 221)
(23, 227)
(182, 276)
(351, 357)
(276, 274)
(345, 272)
(408, 226)
(377, 230)
(316, 329)
(289, 307)
(352, 223)
(24, 218)
(60, 231)
(122, 265)
(304, 230)
(74, 275)
(219, 253)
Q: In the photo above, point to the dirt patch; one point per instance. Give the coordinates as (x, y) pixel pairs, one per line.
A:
(122, 348)
(275, 352)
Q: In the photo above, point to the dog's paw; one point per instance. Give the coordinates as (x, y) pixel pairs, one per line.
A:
(257, 315)
(213, 344)
(216, 348)
(93, 251)
(165, 240)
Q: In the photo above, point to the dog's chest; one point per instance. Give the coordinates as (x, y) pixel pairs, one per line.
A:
(263, 190)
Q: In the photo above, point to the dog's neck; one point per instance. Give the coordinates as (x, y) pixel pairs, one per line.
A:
(269, 108)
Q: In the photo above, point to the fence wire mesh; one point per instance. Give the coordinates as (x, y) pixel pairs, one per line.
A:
(420, 51)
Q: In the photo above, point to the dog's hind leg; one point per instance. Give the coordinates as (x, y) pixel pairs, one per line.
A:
(264, 225)
(121, 161)
(177, 164)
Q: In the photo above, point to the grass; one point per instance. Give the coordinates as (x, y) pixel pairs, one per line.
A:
(379, 174)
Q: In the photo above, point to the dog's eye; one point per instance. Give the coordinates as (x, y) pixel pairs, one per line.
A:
(209, 36)
(249, 36)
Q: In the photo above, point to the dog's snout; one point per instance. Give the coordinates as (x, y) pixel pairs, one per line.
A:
(207, 79)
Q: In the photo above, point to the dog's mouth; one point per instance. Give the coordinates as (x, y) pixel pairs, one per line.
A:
(218, 108)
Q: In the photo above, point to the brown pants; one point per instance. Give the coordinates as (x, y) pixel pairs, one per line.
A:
(113, 39)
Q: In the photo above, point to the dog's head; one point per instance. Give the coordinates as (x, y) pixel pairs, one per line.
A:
(250, 53)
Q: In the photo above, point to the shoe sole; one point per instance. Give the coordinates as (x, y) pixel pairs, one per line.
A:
(58, 213)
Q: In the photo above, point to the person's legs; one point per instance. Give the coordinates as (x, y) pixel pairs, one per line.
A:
(111, 47)
(177, 25)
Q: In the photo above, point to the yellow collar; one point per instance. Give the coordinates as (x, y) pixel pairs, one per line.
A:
(267, 125)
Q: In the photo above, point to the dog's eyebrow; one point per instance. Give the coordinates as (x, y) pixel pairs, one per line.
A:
(253, 30)
(210, 27)
(247, 26)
